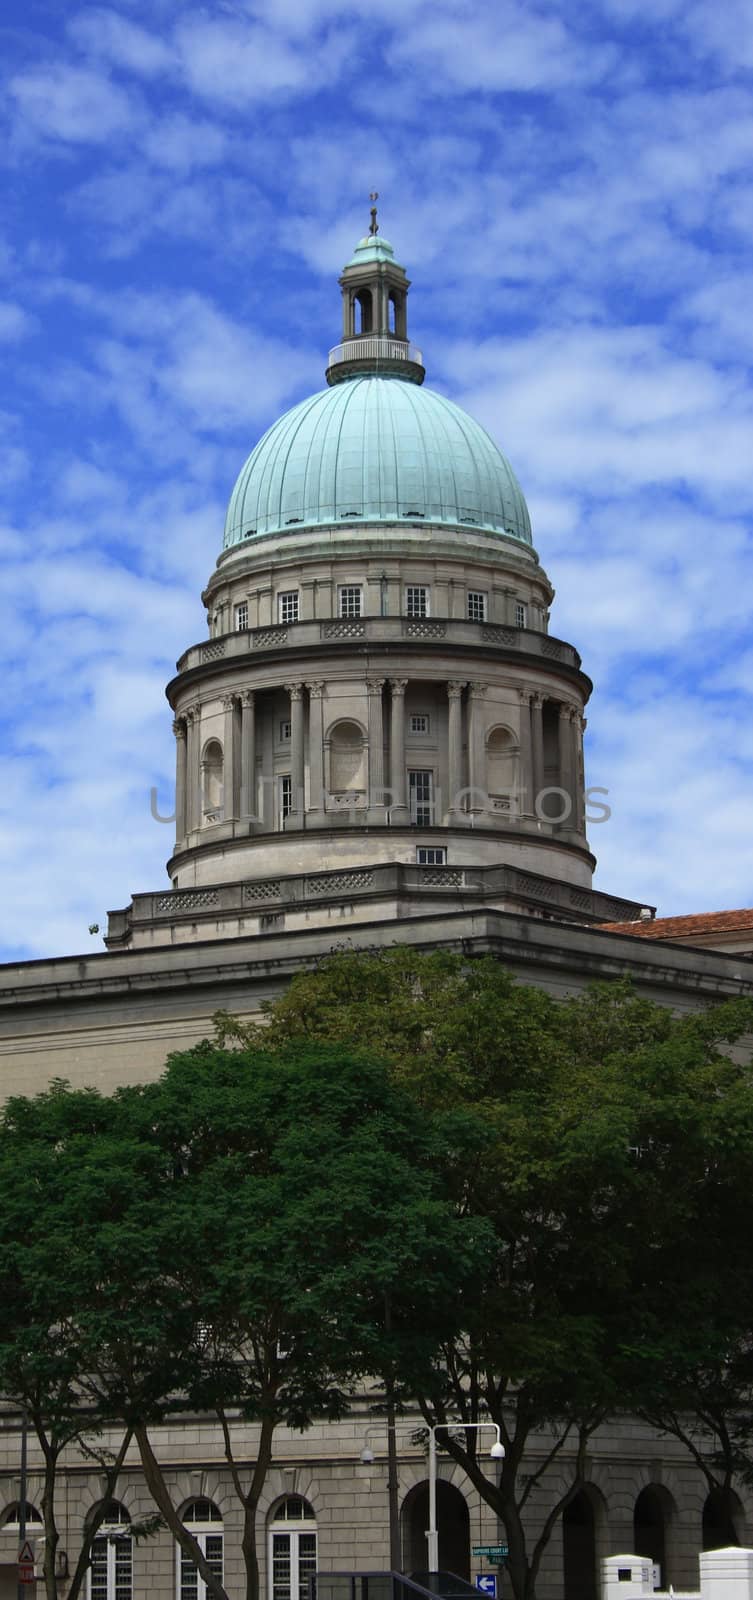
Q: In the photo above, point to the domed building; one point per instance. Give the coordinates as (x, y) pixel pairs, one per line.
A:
(380, 719)
(380, 740)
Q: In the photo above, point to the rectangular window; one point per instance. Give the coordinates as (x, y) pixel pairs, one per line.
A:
(419, 722)
(350, 600)
(287, 606)
(476, 606)
(431, 856)
(421, 789)
(416, 601)
(241, 616)
(285, 729)
(521, 616)
(286, 797)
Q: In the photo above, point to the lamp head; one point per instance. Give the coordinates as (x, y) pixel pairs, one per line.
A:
(497, 1451)
(367, 1456)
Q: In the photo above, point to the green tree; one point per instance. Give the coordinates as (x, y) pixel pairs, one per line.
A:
(238, 1230)
(65, 1173)
(579, 1132)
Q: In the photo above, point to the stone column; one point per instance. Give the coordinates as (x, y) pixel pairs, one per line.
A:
(566, 765)
(316, 748)
(476, 752)
(228, 759)
(295, 690)
(526, 755)
(377, 799)
(537, 739)
(397, 748)
(455, 776)
(193, 776)
(179, 729)
(579, 728)
(248, 754)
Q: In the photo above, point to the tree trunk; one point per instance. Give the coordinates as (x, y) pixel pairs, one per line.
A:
(160, 1494)
(251, 1506)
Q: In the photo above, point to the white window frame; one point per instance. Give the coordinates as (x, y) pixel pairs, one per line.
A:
(293, 1530)
(241, 616)
(417, 600)
(288, 606)
(431, 855)
(284, 796)
(521, 614)
(476, 605)
(416, 717)
(421, 805)
(286, 730)
(118, 1554)
(202, 1531)
(350, 600)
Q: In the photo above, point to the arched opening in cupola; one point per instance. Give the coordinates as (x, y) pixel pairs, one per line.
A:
(363, 310)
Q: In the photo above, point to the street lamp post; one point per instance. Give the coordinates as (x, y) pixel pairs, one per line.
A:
(497, 1453)
(367, 1457)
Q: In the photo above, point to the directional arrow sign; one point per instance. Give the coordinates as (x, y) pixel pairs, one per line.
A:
(486, 1583)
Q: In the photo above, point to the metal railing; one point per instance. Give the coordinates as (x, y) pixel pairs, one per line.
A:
(375, 348)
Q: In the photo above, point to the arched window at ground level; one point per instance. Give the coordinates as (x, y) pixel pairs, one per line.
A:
(204, 1520)
(292, 1548)
(580, 1580)
(652, 1517)
(111, 1572)
(10, 1518)
(453, 1526)
(722, 1520)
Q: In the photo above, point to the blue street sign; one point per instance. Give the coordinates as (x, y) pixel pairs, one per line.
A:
(486, 1583)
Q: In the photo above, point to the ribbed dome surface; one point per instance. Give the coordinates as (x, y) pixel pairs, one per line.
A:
(378, 450)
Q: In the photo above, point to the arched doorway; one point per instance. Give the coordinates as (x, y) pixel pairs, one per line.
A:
(453, 1524)
(722, 1520)
(579, 1548)
(651, 1518)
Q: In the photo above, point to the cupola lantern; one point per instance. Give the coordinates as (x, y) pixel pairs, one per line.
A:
(375, 315)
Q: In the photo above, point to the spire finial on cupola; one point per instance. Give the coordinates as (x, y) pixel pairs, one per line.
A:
(375, 314)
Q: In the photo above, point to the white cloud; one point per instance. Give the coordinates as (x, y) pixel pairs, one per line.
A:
(240, 64)
(15, 323)
(75, 104)
(107, 34)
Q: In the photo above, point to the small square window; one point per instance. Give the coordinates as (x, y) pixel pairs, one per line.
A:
(241, 616)
(521, 616)
(419, 722)
(416, 601)
(350, 600)
(287, 606)
(430, 855)
(476, 606)
(284, 731)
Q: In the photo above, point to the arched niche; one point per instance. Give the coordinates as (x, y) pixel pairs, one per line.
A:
(346, 747)
(212, 777)
(453, 1526)
(502, 767)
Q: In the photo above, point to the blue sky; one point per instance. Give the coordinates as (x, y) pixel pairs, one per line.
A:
(570, 189)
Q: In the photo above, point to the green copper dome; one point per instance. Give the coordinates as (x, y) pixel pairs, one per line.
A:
(376, 449)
